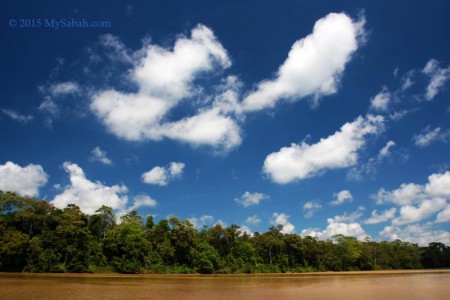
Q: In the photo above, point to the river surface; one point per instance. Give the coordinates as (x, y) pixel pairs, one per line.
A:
(344, 285)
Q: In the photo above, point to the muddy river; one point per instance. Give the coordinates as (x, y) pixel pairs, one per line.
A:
(346, 285)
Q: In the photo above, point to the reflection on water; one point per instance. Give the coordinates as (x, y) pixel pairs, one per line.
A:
(385, 285)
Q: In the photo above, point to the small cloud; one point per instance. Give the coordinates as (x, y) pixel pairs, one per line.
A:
(438, 77)
(381, 217)
(310, 208)
(163, 175)
(248, 199)
(202, 221)
(342, 197)
(64, 88)
(253, 220)
(384, 152)
(99, 155)
(283, 219)
(24, 119)
(428, 136)
(381, 101)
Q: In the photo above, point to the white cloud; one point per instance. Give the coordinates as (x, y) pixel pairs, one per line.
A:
(310, 208)
(381, 101)
(115, 49)
(438, 186)
(199, 223)
(438, 77)
(428, 136)
(407, 80)
(25, 181)
(245, 229)
(336, 226)
(163, 175)
(416, 233)
(49, 106)
(350, 217)
(340, 150)
(342, 197)
(418, 202)
(248, 199)
(369, 168)
(283, 219)
(384, 152)
(164, 78)
(64, 88)
(24, 119)
(314, 64)
(253, 220)
(444, 215)
(141, 201)
(208, 127)
(90, 196)
(412, 214)
(99, 155)
(381, 217)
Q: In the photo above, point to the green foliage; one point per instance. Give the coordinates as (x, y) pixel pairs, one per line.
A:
(37, 237)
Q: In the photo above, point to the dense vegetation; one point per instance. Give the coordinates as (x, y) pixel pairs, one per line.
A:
(37, 237)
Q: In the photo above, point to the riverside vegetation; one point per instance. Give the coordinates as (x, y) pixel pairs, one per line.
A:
(37, 237)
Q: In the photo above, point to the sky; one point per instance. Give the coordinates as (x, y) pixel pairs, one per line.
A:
(326, 117)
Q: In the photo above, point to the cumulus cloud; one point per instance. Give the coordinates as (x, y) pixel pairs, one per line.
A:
(381, 217)
(99, 155)
(381, 101)
(337, 225)
(245, 230)
(25, 181)
(342, 197)
(249, 199)
(428, 136)
(24, 119)
(418, 202)
(438, 77)
(314, 64)
(438, 186)
(444, 215)
(310, 208)
(283, 219)
(90, 196)
(411, 214)
(253, 220)
(164, 78)
(141, 201)
(416, 233)
(340, 150)
(163, 175)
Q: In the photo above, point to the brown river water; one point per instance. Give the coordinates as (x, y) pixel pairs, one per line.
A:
(384, 285)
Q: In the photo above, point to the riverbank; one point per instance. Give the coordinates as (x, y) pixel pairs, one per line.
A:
(326, 273)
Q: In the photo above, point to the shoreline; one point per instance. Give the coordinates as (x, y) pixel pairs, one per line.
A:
(289, 274)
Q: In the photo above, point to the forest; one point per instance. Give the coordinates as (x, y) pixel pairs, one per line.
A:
(37, 237)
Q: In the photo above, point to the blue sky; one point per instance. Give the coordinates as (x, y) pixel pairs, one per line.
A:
(323, 117)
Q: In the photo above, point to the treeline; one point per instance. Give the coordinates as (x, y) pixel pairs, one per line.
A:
(37, 237)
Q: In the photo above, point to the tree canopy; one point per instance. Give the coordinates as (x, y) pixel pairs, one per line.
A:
(37, 237)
